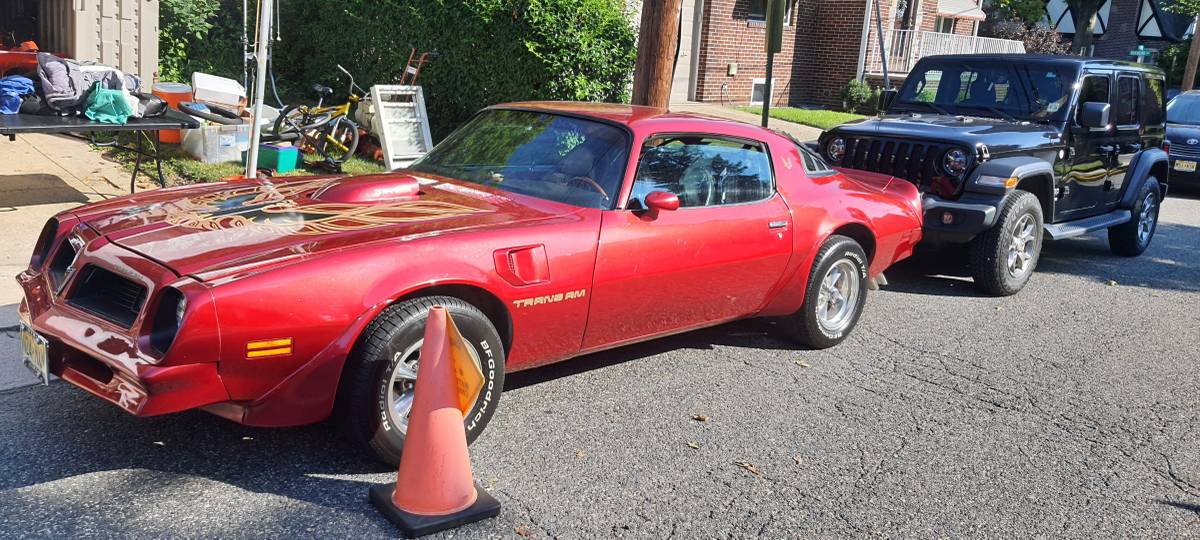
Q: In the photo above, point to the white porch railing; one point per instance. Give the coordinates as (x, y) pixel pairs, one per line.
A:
(905, 47)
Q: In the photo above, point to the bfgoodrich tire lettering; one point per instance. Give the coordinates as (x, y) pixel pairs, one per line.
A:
(364, 410)
(1017, 233)
(826, 317)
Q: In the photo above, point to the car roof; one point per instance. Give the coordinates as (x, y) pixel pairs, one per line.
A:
(632, 116)
(1049, 58)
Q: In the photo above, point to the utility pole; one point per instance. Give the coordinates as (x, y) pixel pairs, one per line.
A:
(260, 87)
(657, 40)
(776, 12)
(1189, 71)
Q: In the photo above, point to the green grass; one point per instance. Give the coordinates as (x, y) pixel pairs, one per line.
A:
(810, 117)
(181, 169)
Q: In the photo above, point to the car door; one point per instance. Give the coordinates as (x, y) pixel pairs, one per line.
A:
(1127, 139)
(1081, 189)
(714, 259)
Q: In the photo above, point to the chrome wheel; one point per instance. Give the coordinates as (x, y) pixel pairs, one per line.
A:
(838, 297)
(1023, 248)
(404, 381)
(1148, 218)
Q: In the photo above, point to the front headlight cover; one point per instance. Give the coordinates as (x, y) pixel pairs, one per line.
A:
(955, 162)
(835, 149)
(168, 319)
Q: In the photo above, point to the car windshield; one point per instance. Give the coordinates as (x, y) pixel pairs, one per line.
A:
(549, 156)
(1184, 109)
(993, 88)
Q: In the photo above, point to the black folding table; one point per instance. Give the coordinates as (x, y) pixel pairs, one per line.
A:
(145, 131)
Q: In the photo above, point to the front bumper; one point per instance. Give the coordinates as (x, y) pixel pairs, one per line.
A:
(959, 221)
(107, 361)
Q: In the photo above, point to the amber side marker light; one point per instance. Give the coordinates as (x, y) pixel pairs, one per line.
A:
(271, 347)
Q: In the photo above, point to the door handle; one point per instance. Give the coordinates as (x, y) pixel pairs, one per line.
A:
(778, 225)
(1107, 149)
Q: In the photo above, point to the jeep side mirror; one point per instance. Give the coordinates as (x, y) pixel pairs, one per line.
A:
(1094, 115)
(662, 200)
(886, 98)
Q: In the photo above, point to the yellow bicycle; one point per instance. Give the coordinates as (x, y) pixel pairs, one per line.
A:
(323, 129)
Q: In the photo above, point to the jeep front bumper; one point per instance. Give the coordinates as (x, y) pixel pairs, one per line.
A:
(959, 221)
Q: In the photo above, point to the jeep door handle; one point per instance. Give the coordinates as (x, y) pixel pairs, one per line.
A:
(1107, 149)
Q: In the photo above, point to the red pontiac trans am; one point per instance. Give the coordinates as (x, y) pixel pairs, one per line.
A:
(549, 230)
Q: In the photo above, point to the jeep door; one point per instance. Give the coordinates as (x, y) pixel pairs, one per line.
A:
(1081, 188)
(1127, 136)
(714, 259)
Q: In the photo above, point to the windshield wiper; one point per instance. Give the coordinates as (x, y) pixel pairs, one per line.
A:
(936, 107)
(997, 112)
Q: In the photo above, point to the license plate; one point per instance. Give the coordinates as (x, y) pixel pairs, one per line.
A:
(1185, 166)
(34, 351)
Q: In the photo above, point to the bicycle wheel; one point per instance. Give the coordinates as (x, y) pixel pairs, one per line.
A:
(295, 120)
(339, 141)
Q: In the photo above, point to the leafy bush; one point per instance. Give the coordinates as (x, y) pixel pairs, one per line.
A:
(200, 35)
(1038, 39)
(858, 97)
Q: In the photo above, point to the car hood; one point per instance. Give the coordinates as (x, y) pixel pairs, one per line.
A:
(1180, 134)
(211, 230)
(1000, 136)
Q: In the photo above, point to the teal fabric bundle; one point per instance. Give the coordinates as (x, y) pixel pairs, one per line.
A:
(107, 106)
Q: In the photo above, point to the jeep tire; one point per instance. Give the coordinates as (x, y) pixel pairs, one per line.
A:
(376, 388)
(1132, 238)
(1004, 257)
(834, 296)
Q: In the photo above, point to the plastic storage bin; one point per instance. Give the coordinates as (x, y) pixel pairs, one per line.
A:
(217, 144)
(281, 159)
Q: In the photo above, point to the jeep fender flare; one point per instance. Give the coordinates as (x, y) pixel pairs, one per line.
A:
(1029, 172)
(1140, 170)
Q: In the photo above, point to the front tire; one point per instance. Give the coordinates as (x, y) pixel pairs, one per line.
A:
(375, 394)
(1004, 257)
(1133, 238)
(834, 297)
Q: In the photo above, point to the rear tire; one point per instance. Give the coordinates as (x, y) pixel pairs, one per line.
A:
(345, 132)
(1133, 238)
(1004, 257)
(371, 395)
(834, 296)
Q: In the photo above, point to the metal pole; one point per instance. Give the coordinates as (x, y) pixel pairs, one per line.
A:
(245, 43)
(883, 57)
(260, 87)
(766, 108)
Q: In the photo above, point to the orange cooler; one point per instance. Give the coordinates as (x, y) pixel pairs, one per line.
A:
(173, 94)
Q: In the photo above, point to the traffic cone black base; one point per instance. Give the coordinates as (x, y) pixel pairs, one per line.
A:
(413, 525)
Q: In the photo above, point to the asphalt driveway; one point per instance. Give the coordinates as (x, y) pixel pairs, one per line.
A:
(1070, 410)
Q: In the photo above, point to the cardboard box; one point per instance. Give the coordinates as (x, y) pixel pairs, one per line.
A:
(227, 93)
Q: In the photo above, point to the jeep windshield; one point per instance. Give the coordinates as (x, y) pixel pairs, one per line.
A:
(560, 158)
(1005, 89)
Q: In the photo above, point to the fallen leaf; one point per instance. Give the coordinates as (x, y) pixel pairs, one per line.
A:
(579, 454)
(803, 364)
(799, 460)
(693, 445)
(749, 467)
(997, 308)
(699, 418)
(1112, 283)
(523, 531)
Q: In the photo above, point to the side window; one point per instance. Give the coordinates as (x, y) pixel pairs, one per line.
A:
(703, 171)
(1153, 102)
(813, 163)
(1126, 109)
(1094, 90)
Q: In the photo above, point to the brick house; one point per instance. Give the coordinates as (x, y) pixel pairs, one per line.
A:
(1123, 25)
(825, 45)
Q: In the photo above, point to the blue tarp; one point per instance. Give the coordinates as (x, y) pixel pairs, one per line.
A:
(11, 90)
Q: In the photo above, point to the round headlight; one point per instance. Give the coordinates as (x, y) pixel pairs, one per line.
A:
(836, 149)
(955, 162)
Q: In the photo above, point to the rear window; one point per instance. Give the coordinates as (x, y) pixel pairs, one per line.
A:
(1127, 101)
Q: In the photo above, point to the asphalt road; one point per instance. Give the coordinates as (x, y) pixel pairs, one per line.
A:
(1071, 410)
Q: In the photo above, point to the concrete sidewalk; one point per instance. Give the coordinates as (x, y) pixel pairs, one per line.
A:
(800, 131)
(41, 176)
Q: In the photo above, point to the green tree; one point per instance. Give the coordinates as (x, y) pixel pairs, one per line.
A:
(1085, 12)
(1192, 8)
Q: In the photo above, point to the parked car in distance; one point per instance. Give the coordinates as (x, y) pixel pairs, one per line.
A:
(1009, 148)
(548, 230)
(1183, 137)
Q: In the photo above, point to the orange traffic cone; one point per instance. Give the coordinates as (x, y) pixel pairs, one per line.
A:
(434, 488)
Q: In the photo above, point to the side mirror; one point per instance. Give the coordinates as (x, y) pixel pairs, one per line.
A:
(1094, 115)
(886, 98)
(662, 200)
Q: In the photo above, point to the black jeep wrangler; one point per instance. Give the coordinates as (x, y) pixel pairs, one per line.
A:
(1007, 148)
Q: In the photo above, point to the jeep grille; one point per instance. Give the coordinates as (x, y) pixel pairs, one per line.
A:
(910, 160)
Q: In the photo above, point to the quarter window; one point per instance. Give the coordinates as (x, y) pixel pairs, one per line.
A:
(1153, 102)
(1095, 90)
(703, 171)
(1127, 101)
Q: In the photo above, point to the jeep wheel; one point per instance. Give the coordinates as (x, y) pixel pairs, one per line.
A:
(834, 299)
(1004, 257)
(375, 395)
(1131, 239)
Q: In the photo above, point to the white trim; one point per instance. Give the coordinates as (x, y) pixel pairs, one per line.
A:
(697, 36)
(763, 81)
(862, 44)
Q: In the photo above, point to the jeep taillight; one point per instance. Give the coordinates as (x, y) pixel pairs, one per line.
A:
(45, 241)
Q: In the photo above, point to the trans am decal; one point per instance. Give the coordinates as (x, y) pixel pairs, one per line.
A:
(287, 209)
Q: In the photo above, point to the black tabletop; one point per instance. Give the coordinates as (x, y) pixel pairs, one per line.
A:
(15, 124)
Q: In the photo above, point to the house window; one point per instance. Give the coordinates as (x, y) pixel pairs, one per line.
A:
(758, 88)
(944, 25)
(758, 11)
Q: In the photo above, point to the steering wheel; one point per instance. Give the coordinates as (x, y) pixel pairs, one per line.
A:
(701, 191)
(589, 183)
